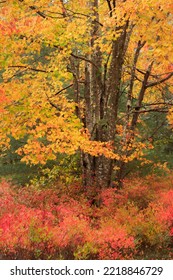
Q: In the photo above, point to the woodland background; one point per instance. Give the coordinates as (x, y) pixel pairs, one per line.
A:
(86, 141)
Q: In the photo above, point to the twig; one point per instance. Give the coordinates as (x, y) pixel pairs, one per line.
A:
(30, 68)
(63, 89)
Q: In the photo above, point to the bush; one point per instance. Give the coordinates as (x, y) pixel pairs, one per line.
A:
(52, 224)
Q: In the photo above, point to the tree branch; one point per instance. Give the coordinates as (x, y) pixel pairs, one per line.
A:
(141, 97)
(158, 103)
(37, 11)
(169, 75)
(158, 110)
(51, 103)
(30, 68)
(84, 15)
(160, 81)
(85, 59)
(63, 89)
(140, 71)
(109, 5)
(136, 56)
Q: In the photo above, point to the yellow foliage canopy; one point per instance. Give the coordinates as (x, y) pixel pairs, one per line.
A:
(38, 40)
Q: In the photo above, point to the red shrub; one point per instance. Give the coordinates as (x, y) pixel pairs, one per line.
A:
(122, 224)
(112, 243)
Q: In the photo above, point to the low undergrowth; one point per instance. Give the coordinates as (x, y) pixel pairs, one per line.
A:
(59, 223)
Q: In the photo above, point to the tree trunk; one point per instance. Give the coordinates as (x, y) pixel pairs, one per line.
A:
(122, 165)
(102, 90)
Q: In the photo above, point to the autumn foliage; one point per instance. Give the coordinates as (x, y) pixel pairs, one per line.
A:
(86, 97)
(71, 88)
(57, 224)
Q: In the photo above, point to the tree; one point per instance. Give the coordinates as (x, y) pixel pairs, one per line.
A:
(72, 73)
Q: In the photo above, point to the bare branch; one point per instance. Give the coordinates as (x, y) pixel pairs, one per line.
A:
(141, 96)
(158, 110)
(84, 15)
(63, 89)
(169, 75)
(159, 75)
(85, 59)
(30, 68)
(160, 81)
(155, 131)
(140, 71)
(51, 103)
(110, 8)
(136, 56)
(136, 77)
(37, 11)
(159, 103)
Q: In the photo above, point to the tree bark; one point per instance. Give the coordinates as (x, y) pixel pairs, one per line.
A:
(135, 117)
(102, 90)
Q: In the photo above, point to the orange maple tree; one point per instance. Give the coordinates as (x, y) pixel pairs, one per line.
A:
(66, 68)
